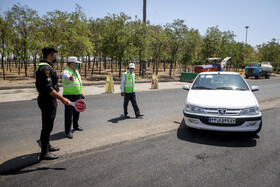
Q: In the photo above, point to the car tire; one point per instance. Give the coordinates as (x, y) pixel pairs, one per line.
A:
(267, 76)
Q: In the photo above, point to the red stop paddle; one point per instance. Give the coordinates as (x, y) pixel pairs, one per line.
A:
(80, 105)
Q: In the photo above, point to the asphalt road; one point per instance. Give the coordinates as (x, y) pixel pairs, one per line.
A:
(156, 150)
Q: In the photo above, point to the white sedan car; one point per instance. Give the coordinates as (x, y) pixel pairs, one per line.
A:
(222, 101)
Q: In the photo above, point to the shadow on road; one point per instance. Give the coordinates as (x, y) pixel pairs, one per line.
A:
(224, 139)
(53, 137)
(117, 119)
(16, 165)
(57, 136)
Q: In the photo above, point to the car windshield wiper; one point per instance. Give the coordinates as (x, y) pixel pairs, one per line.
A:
(203, 88)
(224, 88)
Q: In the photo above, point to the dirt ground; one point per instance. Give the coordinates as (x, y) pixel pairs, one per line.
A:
(14, 79)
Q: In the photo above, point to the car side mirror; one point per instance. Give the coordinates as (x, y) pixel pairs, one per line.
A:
(186, 87)
(255, 88)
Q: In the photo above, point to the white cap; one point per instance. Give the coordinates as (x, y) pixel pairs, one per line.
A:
(73, 59)
(131, 65)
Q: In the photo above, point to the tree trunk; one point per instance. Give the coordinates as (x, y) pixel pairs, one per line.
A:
(92, 69)
(140, 63)
(170, 70)
(25, 67)
(85, 67)
(61, 63)
(10, 65)
(144, 68)
(7, 62)
(105, 63)
(34, 65)
(3, 68)
(96, 62)
(157, 64)
(112, 68)
(19, 64)
(100, 60)
(120, 69)
(154, 64)
(88, 61)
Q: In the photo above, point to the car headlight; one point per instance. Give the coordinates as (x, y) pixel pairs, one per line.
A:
(250, 111)
(194, 109)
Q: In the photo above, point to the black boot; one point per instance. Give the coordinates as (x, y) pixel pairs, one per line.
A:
(48, 156)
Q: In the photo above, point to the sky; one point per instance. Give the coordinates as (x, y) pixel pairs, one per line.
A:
(262, 16)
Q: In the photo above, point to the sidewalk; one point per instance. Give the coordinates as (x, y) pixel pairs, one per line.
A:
(23, 93)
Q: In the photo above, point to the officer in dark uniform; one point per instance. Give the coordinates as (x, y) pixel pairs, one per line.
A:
(47, 86)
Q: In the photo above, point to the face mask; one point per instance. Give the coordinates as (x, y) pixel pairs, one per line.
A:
(54, 60)
(131, 70)
(77, 66)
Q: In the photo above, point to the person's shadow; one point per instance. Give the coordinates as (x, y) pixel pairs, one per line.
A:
(53, 137)
(57, 136)
(215, 138)
(16, 165)
(117, 119)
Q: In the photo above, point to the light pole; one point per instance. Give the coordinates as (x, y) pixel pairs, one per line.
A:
(246, 27)
(144, 10)
(143, 51)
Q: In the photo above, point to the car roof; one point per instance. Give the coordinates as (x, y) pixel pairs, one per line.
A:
(219, 72)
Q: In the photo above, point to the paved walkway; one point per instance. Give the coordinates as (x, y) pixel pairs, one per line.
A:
(23, 94)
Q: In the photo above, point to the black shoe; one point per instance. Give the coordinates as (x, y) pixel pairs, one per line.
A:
(139, 115)
(53, 149)
(70, 135)
(78, 128)
(126, 117)
(48, 156)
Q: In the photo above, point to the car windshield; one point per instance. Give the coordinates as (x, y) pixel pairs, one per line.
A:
(219, 82)
(253, 65)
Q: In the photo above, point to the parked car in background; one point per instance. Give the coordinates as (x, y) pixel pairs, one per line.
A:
(222, 101)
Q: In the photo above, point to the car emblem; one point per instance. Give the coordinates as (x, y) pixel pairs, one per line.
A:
(222, 111)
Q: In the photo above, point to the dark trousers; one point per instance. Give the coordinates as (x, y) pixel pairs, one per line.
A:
(48, 108)
(130, 97)
(70, 114)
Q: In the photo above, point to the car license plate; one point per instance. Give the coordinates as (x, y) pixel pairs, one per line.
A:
(222, 120)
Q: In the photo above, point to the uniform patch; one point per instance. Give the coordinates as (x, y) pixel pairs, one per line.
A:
(47, 73)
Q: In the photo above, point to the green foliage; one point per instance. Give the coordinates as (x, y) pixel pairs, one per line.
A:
(23, 33)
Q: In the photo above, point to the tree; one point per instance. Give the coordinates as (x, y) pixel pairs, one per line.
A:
(175, 34)
(157, 43)
(191, 46)
(54, 26)
(116, 38)
(5, 30)
(36, 43)
(23, 20)
(138, 30)
(270, 52)
(217, 43)
(96, 28)
(78, 35)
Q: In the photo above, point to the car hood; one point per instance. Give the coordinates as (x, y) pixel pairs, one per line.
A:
(222, 99)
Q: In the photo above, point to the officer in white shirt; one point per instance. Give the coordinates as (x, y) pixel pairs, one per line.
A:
(128, 91)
